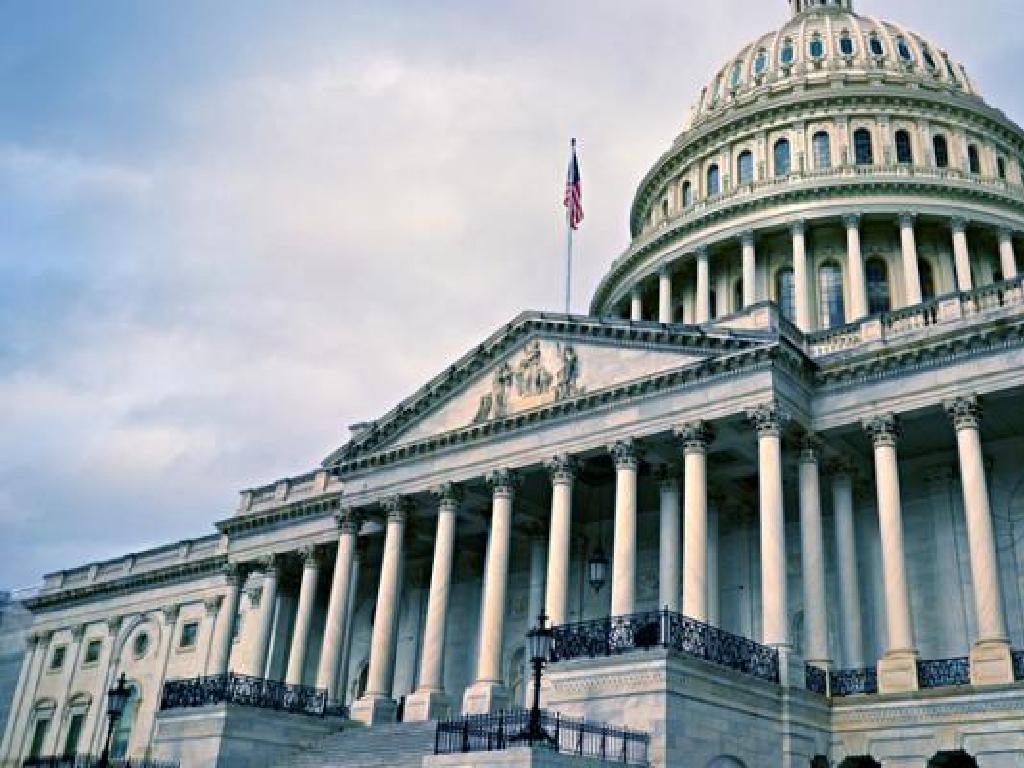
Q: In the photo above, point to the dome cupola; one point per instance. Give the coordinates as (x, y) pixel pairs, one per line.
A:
(799, 6)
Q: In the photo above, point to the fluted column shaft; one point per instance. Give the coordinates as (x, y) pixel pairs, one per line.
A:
(432, 661)
(624, 453)
(337, 607)
(768, 420)
(265, 617)
(1007, 255)
(961, 255)
(636, 304)
(496, 578)
(303, 616)
(670, 554)
(385, 626)
(695, 438)
(702, 299)
(749, 267)
(911, 273)
(846, 567)
(224, 627)
(556, 602)
(855, 269)
(813, 554)
(665, 296)
(801, 278)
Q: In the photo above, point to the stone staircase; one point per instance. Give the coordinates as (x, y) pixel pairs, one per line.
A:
(401, 745)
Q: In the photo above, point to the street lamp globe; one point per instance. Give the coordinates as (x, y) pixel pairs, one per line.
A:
(597, 569)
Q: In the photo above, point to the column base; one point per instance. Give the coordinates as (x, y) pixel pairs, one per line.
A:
(897, 672)
(427, 705)
(485, 698)
(374, 710)
(991, 663)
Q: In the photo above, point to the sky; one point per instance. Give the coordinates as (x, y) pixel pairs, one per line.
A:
(230, 229)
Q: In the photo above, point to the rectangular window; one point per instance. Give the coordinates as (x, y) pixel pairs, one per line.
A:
(57, 659)
(74, 735)
(38, 738)
(92, 652)
(189, 635)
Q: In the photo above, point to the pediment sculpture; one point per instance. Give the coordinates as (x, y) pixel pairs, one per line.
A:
(529, 382)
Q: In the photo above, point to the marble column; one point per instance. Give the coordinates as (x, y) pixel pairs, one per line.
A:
(224, 626)
(265, 617)
(749, 267)
(636, 304)
(812, 547)
(702, 297)
(665, 295)
(377, 705)
(911, 274)
(1007, 255)
(169, 633)
(855, 269)
(846, 568)
(311, 561)
(768, 420)
(337, 620)
(695, 438)
(801, 277)
(346, 644)
(488, 692)
(96, 722)
(670, 540)
(556, 602)
(625, 455)
(430, 701)
(990, 655)
(897, 669)
(961, 254)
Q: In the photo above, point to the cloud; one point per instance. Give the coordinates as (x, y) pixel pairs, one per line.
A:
(57, 177)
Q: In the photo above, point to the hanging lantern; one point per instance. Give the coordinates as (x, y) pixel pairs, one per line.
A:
(597, 569)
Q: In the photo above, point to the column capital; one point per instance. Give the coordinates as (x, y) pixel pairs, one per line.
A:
(694, 436)
(768, 419)
(907, 219)
(747, 238)
(810, 447)
(884, 429)
(397, 508)
(851, 220)
(636, 291)
(77, 631)
(212, 604)
(234, 573)
(32, 639)
(562, 469)
(702, 252)
(958, 224)
(1005, 234)
(114, 625)
(170, 613)
(348, 520)
(798, 227)
(503, 482)
(964, 412)
(625, 453)
(311, 556)
(270, 564)
(664, 270)
(668, 476)
(448, 495)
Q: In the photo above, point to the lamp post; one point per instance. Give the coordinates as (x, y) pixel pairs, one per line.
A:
(539, 641)
(117, 700)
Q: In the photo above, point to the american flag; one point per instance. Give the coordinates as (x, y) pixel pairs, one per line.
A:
(574, 191)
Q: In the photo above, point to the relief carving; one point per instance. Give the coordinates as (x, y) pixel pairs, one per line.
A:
(529, 383)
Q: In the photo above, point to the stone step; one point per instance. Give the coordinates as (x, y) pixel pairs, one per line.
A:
(399, 745)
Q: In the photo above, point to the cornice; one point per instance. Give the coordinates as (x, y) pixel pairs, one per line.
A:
(174, 574)
(321, 506)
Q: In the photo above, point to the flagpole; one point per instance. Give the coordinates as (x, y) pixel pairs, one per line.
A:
(568, 250)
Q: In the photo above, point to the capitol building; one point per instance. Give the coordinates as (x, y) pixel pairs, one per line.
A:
(768, 492)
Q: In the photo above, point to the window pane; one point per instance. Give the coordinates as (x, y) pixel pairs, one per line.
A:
(974, 159)
(761, 62)
(846, 45)
(863, 152)
(830, 296)
(787, 53)
(822, 150)
(878, 286)
(941, 152)
(817, 48)
(38, 737)
(782, 158)
(877, 49)
(785, 293)
(714, 181)
(904, 150)
(74, 735)
(745, 167)
(687, 195)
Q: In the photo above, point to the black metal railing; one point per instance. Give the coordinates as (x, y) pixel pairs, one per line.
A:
(817, 680)
(850, 682)
(665, 629)
(92, 761)
(247, 692)
(942, 673)
(571, 736)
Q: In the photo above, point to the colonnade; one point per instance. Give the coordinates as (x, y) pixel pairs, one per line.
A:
(857, 307)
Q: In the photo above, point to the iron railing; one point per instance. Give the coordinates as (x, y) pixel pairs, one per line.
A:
(665, 629)
(817, 680)
(850, 682)
(92, 761)
(247, 692)
(571, 736)
(941, 673)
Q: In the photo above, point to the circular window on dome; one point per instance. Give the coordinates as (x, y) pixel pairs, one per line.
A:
(846, 44)
(141, 645)
(903, 49)
(816, 47)
(787, 54)
(875, 46)
(761, 62)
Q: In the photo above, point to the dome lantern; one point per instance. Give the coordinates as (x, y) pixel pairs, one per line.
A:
(800, 6)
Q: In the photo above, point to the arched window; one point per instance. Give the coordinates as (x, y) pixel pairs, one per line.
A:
(785, 292)
(737, 75)
(760, 62)
(903, 49)
(687, 194)
(816, 47)
(123, 732)
(927, 275)
(904, 149)
(877, 275)
(745, 167)
(1001, 167)
(831, 310)
(875, 46)
(822, 150)
(863, 152)
(929, 60)
(783, 161)
(788, 53)
(941, 151)
(973, 159)
(714, 181)
(846, 46)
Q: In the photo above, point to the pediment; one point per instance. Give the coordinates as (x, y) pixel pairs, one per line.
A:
(532, 364)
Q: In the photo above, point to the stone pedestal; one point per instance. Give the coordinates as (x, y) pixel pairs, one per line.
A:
(427, 705)
(484, 698)
(991, 663)
(897, 672)
(374, 710)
